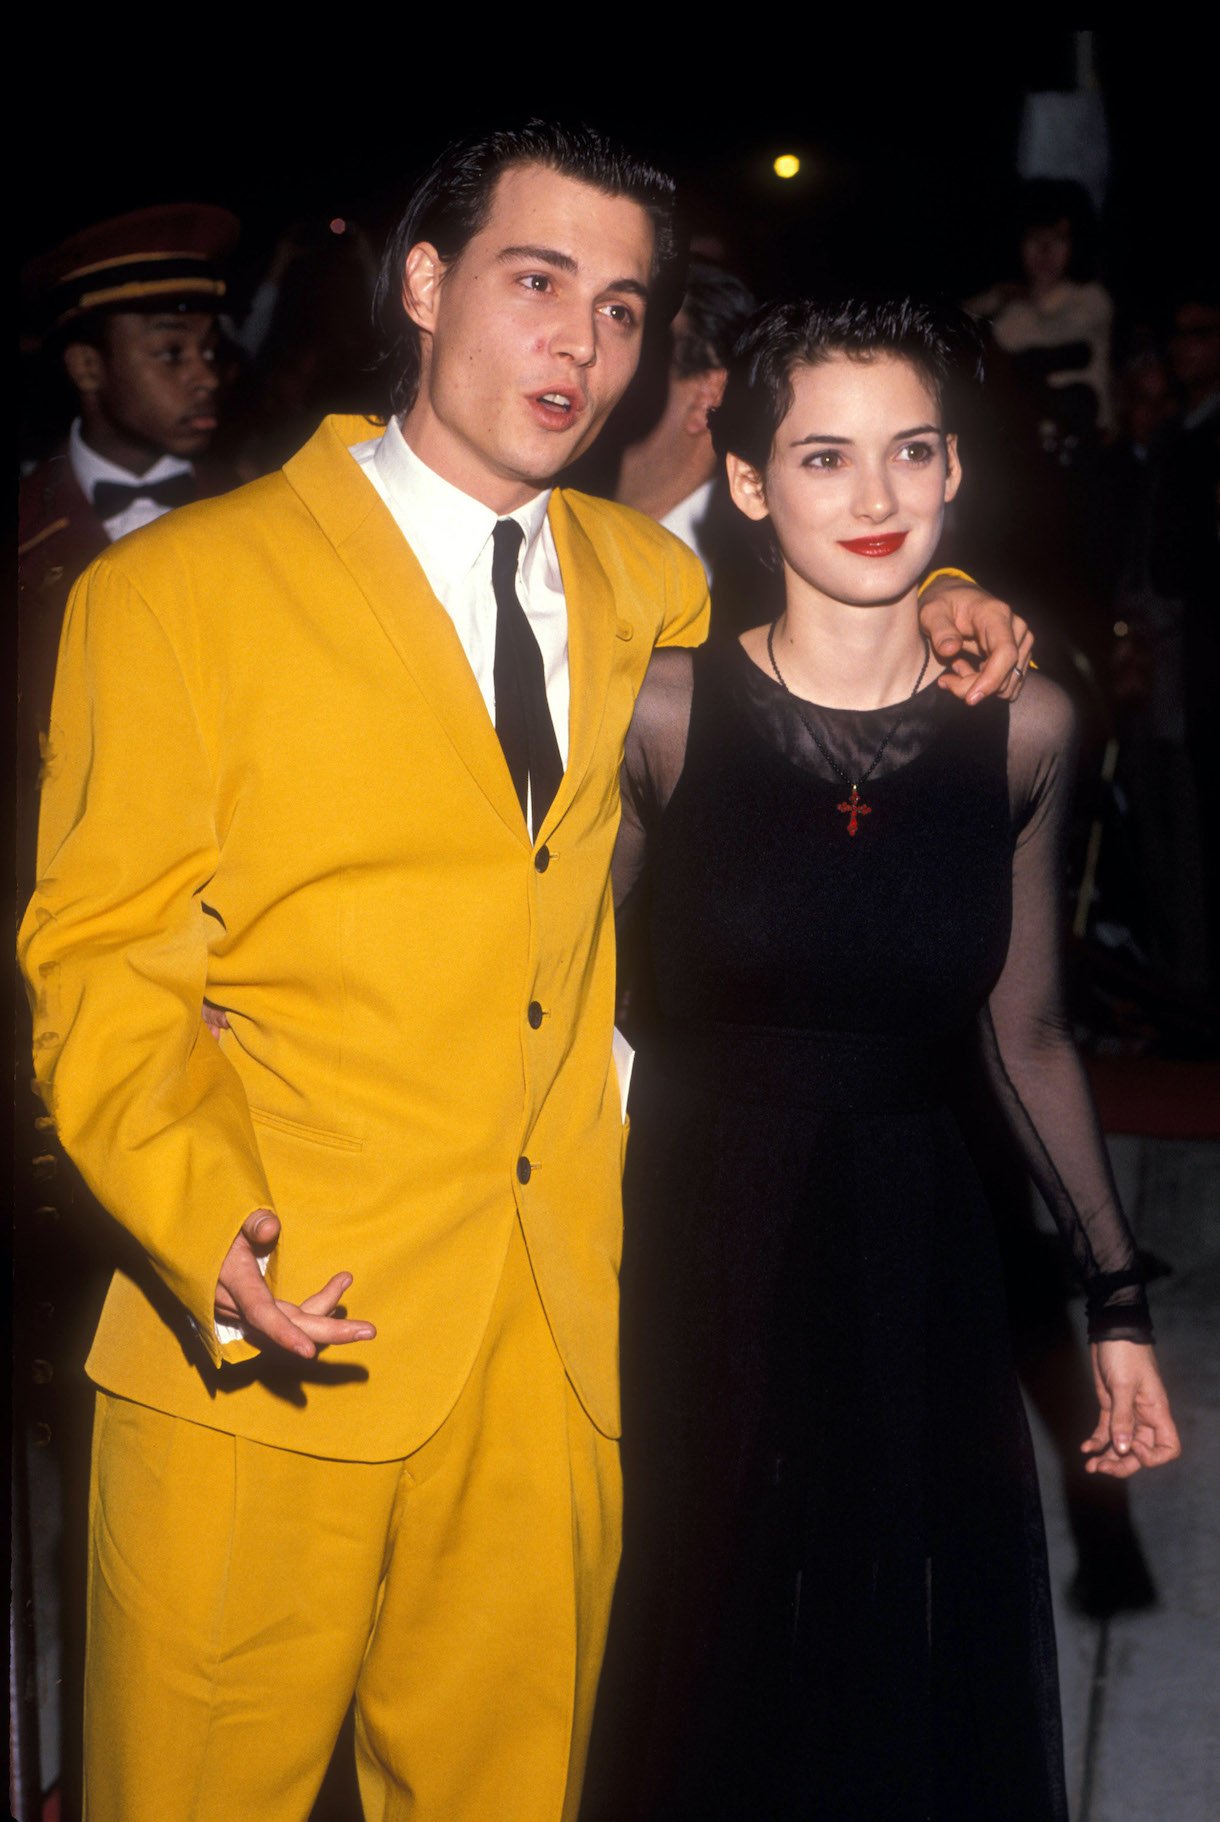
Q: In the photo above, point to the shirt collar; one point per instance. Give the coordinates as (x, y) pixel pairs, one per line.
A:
(89, 467)
(447, 529)
(685, 519)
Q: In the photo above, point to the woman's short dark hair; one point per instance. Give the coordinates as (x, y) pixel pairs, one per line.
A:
(453, 200)
(938, 339)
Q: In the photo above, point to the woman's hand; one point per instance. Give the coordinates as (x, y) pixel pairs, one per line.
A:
(959, 617)
(1135, 1428)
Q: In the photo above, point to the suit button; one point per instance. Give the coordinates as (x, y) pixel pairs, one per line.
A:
(542, 859)
(523, 1170)
(534, 1015)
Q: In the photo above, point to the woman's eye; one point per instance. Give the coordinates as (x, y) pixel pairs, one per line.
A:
(536, 281)
(916, 452)
(824, 459)
(621, 313)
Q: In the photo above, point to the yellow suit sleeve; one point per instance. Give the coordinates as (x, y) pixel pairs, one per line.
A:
(114, 946)
(687, 603)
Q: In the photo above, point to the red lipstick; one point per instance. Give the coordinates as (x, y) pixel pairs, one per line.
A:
(880, 546)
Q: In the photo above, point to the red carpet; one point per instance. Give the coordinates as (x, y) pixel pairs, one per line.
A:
(1156, 1097)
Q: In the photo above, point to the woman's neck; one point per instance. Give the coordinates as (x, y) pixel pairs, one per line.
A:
(843, 656)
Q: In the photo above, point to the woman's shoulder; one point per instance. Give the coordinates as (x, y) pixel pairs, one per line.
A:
(1043, 718)
(1042, 742)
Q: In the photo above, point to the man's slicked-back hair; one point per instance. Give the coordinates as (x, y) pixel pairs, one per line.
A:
(716, 306)
(452, 202)
(938, 339)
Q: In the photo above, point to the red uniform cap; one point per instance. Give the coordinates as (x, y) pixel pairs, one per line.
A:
(145, 260)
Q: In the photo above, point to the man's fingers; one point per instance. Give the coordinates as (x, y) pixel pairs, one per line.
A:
(323, 1302)
(258, 1310)
(998, 671)
(261, 1229)
(328, 1331)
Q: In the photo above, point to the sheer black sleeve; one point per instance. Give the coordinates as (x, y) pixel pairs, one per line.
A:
(652, 765)
(1027, 1044)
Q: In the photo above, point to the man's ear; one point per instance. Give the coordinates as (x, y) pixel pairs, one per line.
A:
(953, 468)
(421, 283)
(746, 487)
(707, 390)
(84, 366)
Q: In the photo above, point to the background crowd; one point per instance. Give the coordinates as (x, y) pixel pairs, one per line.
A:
(1093, 486)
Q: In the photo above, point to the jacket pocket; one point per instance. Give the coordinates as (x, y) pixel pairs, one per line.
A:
(297, 1129)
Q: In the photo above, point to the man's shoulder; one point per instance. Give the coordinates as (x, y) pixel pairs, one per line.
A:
(212, 532)
(58, 532)
(608, 524)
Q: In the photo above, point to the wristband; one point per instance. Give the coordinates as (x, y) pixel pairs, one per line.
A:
(936, 573)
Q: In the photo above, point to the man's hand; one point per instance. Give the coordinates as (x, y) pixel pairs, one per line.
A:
(242, 1297)
(1135, 1428)
(957, 618)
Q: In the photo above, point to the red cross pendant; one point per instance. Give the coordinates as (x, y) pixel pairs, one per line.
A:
(854, 810)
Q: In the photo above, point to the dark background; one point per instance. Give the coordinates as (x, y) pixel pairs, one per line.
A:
(908, 136)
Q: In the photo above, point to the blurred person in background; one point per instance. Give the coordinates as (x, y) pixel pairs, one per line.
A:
(129, 310)
(667, 467)
(1184, 564)
(1054, 322)
(308, 341)
(126, 315)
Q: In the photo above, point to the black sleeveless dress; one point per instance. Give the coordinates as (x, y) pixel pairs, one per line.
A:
(834, 1602)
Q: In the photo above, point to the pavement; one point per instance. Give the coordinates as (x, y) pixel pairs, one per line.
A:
(1141, 1690)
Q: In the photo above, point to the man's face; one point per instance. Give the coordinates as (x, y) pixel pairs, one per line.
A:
(531, 336)
(150, 388)
(1194, 345)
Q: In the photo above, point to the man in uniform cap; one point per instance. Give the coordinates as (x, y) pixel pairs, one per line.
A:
(130, 306)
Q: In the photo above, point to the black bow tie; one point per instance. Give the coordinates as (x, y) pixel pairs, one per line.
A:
(111, 497)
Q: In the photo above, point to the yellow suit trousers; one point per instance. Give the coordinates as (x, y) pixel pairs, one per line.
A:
(239, 1595)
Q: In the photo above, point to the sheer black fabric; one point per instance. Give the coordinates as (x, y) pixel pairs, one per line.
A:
(1025, 1042)
(834, 1600)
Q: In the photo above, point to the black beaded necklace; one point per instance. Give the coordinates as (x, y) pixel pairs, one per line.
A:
(854, 808)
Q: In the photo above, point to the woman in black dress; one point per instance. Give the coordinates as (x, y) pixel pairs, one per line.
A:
(839, 887)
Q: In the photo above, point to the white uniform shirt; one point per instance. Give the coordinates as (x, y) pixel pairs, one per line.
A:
(89, 468)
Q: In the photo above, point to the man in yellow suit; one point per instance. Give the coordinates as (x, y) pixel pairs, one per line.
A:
(338, 753)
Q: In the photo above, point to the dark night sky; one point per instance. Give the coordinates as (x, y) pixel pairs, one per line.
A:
(908, 138)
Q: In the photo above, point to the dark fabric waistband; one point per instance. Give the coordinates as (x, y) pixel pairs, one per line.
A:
(849, 1071)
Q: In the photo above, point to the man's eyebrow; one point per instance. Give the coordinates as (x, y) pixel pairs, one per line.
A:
(563, 262)
(546, 256)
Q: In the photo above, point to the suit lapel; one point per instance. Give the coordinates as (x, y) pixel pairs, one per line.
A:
(591, 632)
(385, 569)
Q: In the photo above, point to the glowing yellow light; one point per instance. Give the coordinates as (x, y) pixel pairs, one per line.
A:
(786, 165)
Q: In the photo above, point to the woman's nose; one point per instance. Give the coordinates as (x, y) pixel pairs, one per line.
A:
(874, 497)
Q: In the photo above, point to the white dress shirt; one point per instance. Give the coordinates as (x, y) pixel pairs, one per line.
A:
(89, 468)
(450, 534)
(685, 520)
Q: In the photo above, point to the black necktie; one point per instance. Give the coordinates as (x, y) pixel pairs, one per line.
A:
(523, 717)
(111, 497)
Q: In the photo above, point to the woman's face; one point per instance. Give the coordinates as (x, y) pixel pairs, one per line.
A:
(858, 478)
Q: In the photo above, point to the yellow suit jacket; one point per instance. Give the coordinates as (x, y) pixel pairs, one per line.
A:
(272, 782)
